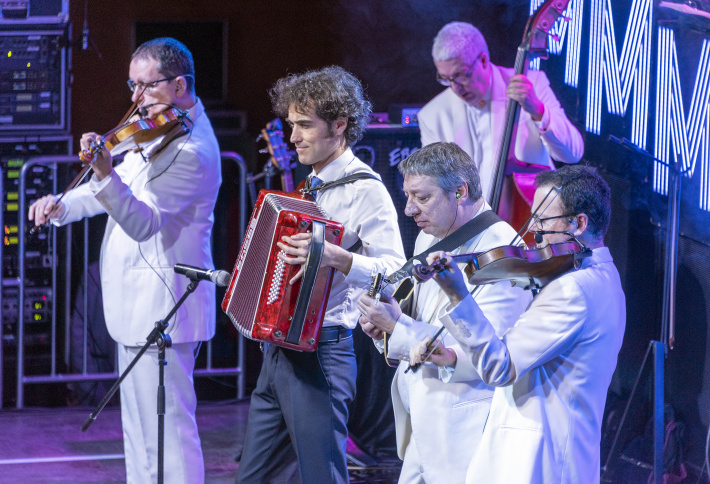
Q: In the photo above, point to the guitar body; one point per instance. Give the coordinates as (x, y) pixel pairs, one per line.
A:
(513, 208)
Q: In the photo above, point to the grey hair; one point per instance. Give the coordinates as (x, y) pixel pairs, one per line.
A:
(459, 40)
(448, 164)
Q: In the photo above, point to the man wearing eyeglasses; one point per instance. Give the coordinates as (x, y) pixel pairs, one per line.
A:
(552, 369)
(160, 204)
(472, 112)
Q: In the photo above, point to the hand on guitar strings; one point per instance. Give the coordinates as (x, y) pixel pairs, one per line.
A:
(383, 314)
(370, 329)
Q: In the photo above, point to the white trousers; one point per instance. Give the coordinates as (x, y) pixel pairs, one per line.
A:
(411, 470)
(183, 463)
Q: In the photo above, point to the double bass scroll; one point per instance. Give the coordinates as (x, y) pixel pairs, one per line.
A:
(507, 194)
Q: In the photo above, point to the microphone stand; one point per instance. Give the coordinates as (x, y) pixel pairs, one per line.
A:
(659, 349)
(162, 340)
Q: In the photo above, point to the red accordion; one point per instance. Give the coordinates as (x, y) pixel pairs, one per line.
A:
(260, 302)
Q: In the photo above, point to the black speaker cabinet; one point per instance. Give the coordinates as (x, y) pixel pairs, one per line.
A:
(383, 147)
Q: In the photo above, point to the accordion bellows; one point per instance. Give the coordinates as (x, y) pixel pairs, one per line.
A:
(260, 302)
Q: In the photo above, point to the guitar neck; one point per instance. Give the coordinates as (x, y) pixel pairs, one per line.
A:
(287, 181)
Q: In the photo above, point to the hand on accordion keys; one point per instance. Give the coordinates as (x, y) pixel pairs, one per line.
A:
(295, 251)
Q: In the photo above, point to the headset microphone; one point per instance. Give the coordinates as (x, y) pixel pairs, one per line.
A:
(540, 233)
(144, 110)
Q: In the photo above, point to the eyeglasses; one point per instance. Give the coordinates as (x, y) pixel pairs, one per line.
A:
(540, 221)
(460, 79)
(146, 87)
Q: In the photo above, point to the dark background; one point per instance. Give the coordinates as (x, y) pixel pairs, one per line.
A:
(387, 45)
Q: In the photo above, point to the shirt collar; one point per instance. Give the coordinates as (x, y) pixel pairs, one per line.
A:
(336, 168)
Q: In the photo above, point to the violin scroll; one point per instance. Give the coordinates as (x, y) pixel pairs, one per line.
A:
(423, 272)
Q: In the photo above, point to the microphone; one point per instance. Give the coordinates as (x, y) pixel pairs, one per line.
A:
(144, 110)
(539, 233)
(628, 144)
(221, 278)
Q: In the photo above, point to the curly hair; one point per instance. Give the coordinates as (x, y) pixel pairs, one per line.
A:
(448, 164)
(174, 59)
(332, 92)
(583, 190)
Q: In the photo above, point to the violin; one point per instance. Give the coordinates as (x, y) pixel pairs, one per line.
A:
(529, 268)
(133, 134)
(128, 135)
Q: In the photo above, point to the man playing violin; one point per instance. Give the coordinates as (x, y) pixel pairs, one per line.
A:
(440, 413)
(553, 368)
(472, 112)
(160, 203)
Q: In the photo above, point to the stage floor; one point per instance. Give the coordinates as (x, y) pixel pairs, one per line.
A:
(46, 445)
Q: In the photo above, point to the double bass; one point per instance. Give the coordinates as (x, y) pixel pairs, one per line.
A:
(511, 193)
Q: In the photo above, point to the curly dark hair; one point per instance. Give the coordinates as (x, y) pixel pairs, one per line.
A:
(332, 92)
(583, 190)
(174, 59)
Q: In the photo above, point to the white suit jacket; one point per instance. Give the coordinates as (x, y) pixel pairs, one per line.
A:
(160, 213)
(444, 118)
(446, 420)
(553, 369)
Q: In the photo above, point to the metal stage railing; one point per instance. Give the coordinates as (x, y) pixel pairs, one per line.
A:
(54, 377)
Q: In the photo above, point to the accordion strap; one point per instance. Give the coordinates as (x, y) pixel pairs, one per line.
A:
(315, 254)
(341, 181)
(336, 183)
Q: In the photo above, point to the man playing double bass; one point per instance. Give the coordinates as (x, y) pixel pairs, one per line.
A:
(159, 202)
(472, 113)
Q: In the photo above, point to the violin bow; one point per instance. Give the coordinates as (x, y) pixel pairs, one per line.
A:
(429, 348)
(86, 167)
(428, 352)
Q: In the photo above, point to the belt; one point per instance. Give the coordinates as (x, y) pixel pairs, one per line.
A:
(334, 334)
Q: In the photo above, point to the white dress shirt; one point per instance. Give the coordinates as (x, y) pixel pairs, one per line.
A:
(366, 211)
